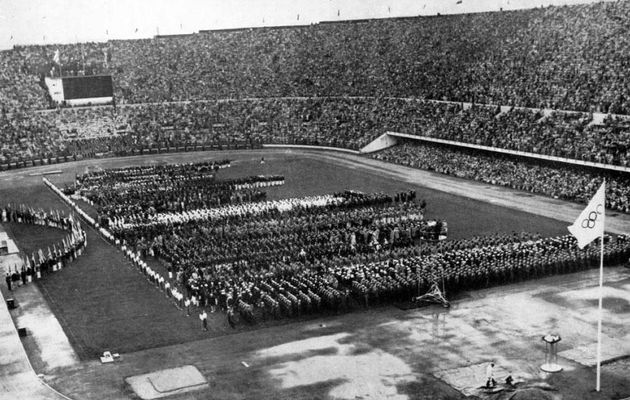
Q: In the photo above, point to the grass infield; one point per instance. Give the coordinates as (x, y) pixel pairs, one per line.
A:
(103, 303)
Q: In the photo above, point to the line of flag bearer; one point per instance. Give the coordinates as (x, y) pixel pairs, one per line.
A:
(54, 259)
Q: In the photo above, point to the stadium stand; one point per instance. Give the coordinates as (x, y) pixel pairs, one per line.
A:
(337, 122)
(555, 180)
(532, 58)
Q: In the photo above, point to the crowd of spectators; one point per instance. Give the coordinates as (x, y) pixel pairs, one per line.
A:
(102, 131)
(348, 123)
(528, 58)
(18, 88)
(559, 134)
(336, 122)
(554, 57)
(557, 180)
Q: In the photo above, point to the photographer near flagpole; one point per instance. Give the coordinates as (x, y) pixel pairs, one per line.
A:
(586, 228)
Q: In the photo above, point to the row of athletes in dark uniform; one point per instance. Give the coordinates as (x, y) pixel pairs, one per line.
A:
(260, 241)
(315, 289)
(341, 284)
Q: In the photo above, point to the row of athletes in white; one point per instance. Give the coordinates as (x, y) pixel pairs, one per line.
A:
(207, 214)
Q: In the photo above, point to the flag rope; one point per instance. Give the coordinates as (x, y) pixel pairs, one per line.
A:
(600, 311)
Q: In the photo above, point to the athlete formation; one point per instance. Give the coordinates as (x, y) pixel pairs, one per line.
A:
(226, 247)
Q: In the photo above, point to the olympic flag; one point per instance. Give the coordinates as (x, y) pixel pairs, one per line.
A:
(586, 228)
(590, 224)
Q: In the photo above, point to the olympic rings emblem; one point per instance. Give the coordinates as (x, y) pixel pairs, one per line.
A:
(591, 220)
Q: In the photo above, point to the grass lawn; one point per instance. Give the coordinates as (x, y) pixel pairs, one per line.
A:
(103, 303)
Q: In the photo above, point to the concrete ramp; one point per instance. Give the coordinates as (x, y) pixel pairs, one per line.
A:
(7, 244)
(167, 382)
(9, 254)
(380, 143)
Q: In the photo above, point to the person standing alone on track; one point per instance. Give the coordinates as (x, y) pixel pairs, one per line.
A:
(230, 318)
(490, 382)
(203, 316)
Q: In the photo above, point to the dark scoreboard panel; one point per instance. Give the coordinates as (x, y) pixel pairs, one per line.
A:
(85, 87)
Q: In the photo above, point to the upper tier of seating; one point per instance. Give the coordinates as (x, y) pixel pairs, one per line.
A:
(572, 58)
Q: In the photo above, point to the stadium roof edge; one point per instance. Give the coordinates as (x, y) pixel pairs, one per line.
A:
(365, 20)
(292, 26)
(352, 21)
(174, 35)
(85, 76)
(251, 28)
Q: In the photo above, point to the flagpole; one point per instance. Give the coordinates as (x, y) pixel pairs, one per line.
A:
(601, 291)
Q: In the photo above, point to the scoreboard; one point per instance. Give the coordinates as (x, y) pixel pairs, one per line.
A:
(85, 87)
(81, 90)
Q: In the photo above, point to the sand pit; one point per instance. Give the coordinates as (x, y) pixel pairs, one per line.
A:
(167, 382)
(470, 379)
(616, 302)
(587, 355)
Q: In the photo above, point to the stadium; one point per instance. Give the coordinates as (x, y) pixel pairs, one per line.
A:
(367, 203)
